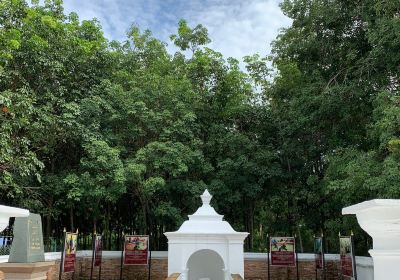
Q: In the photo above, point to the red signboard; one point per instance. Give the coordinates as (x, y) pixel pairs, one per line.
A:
(346, 256)
(283, 251)
(97, 250)
(70, 248)
(136, 250)
(319, 253)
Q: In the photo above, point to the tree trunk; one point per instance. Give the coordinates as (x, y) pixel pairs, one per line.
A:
(301, 241)
(71, 218)
(108, 241)
(250, 219)
(48, 226)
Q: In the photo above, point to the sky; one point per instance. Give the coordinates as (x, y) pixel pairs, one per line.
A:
(236, 27)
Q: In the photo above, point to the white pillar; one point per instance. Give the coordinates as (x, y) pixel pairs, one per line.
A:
(380, 218)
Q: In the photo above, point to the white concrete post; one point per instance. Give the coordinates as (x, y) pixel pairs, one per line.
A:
(380, 218)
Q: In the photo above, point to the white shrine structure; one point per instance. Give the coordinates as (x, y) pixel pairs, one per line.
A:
(380, 218)
(6, 212)
(206, 247)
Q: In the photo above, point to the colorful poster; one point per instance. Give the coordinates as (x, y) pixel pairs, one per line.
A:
(319, 252)
(136, 250)
(97, 250)
(283, 251)
(70, 248)
(346, 256)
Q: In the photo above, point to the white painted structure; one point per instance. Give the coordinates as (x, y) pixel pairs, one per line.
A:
(7, 212)
(380, 218)
(206, 247)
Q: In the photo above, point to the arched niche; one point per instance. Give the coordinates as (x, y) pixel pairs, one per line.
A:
(205, 265)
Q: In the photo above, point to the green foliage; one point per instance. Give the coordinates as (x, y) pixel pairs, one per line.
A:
(188, 38)
(123, 136)
(335, 97)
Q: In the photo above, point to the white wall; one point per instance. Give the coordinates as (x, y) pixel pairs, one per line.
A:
(365, 268)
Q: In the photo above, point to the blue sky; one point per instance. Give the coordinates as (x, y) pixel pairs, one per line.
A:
(236, 27)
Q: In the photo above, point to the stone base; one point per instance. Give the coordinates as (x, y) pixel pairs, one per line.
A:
(25, 271)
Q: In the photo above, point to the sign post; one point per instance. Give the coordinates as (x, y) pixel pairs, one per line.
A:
(96, 254)
(353, 251)
(122, 255)
(297, 258)
(93, 252)
(347, 257)
(62, 254)
(149, 274)
(136, 251)
(268, 252)
(319, 255)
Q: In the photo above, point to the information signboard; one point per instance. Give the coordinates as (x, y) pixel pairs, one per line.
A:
(136, 250)
(319, 252)
(98, 250)
(283, 251)
(70, 248)
(346, 256)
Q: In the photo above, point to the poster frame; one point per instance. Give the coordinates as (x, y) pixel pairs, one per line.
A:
(293, 252)
(66, 235)
(124, 250)
(352, 257)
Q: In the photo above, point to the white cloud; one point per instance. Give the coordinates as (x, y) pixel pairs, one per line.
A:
(236, 27)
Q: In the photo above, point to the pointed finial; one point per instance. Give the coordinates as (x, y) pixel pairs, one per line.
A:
(206, 197)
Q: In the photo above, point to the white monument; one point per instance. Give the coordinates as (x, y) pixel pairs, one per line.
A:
(30, 239)
(380, 218)
(205, 247)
